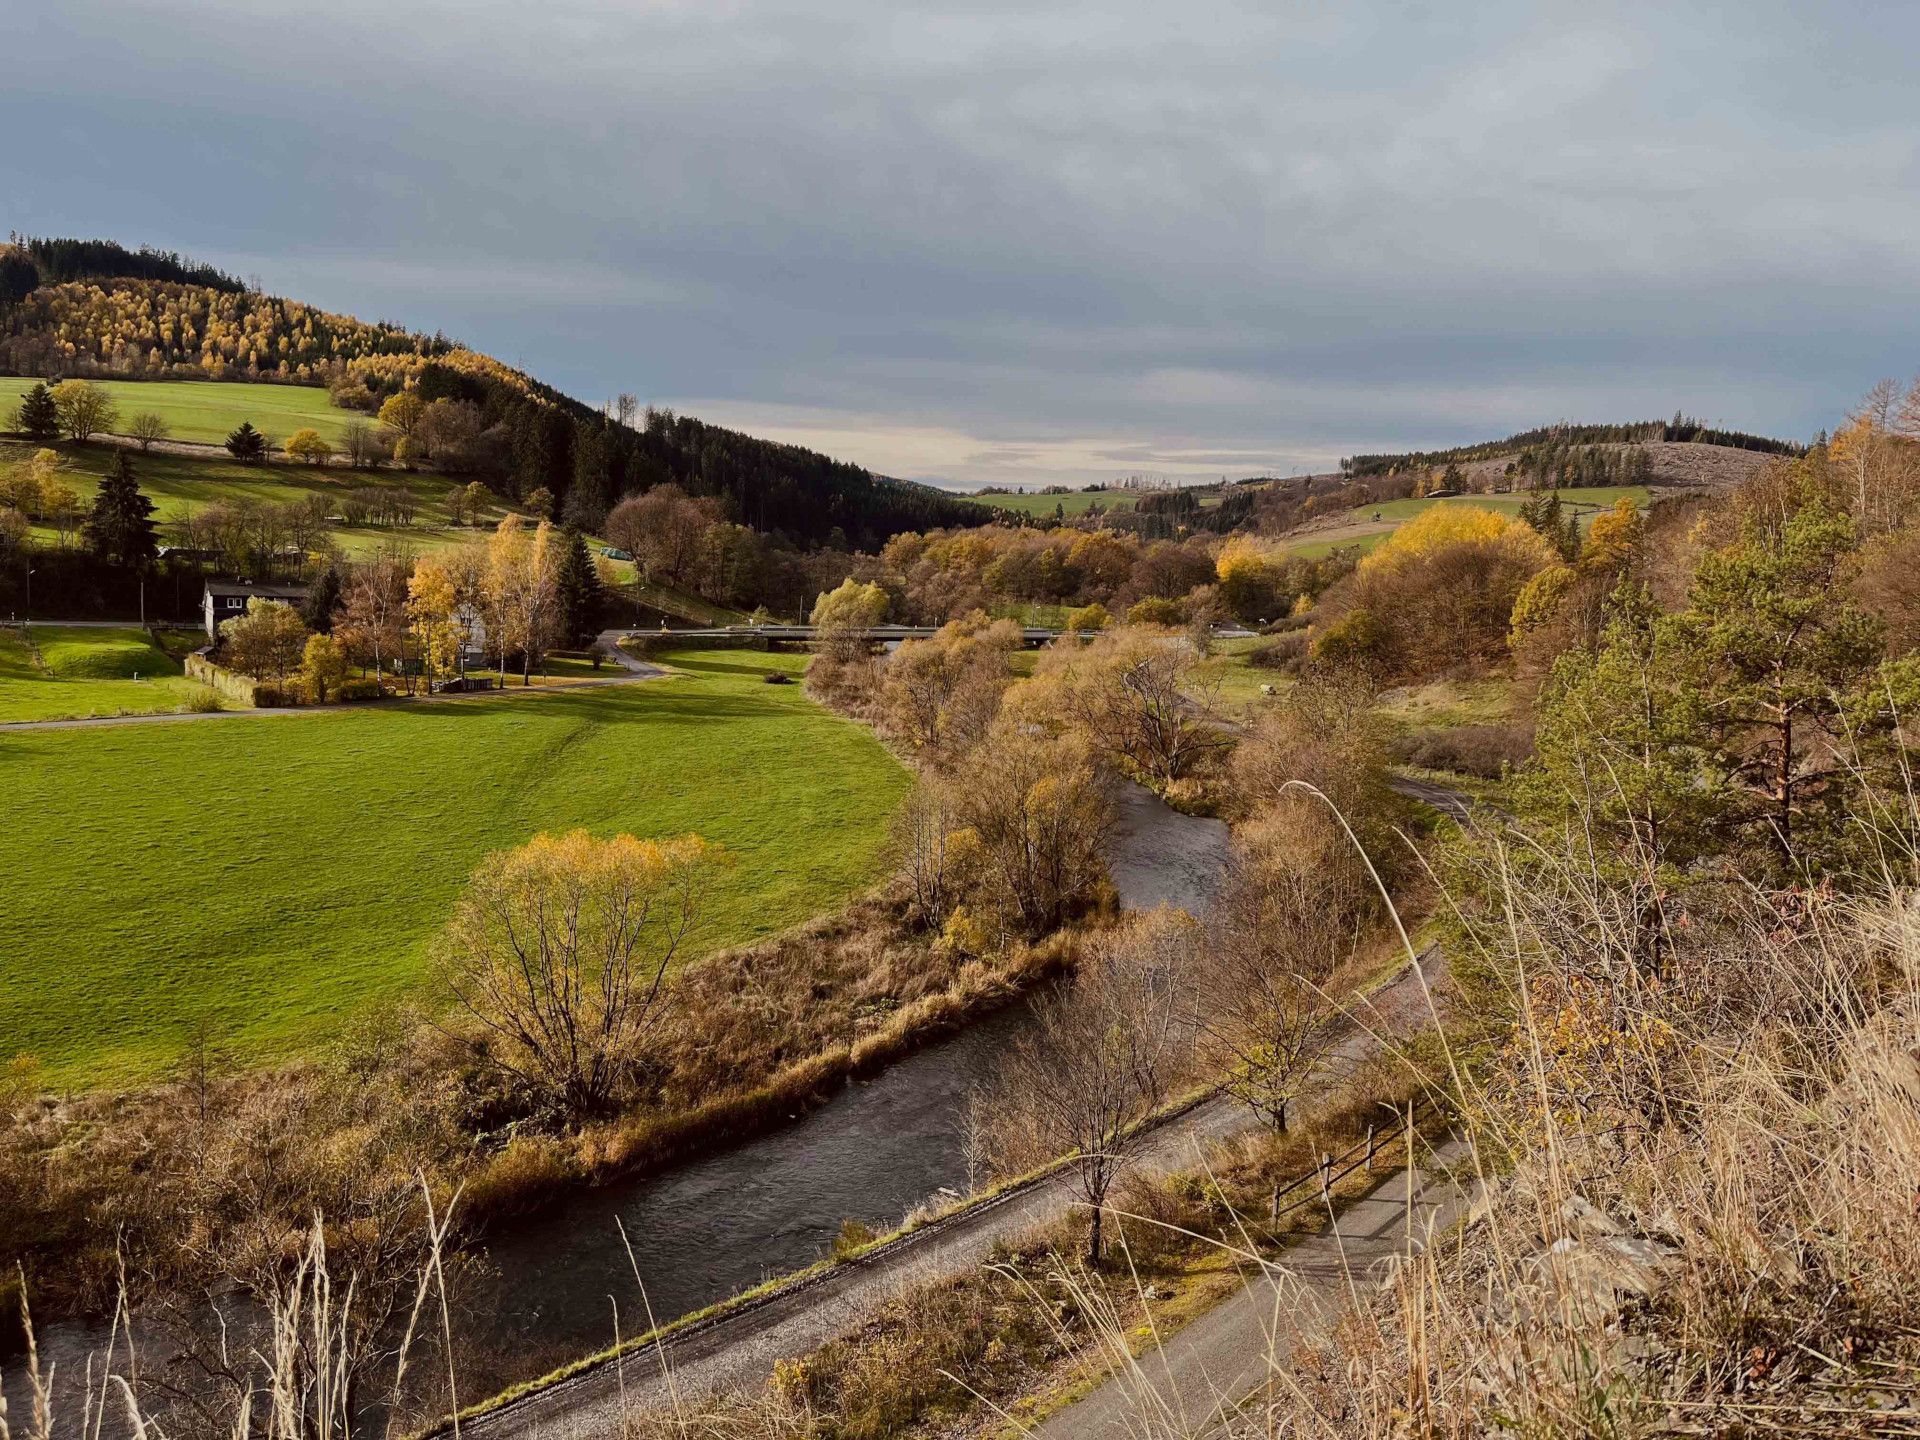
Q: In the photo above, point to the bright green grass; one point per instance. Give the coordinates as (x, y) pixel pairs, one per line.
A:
(74, 672)
(274, 876)
(206, 411)
(1077, 503)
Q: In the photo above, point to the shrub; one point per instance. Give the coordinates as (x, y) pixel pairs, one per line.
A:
(355, 690)
(1283, 652)
(1482, 750)
(1156, 611)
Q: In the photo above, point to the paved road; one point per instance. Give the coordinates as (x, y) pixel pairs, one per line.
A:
(735, 1353)
(632, 670)
(1206, 1379)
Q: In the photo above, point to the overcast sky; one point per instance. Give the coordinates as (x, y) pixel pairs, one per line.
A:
(1021, 243)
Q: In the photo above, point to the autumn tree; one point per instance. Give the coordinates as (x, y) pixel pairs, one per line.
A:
(433, 612)
(268, 642)
(1038, 817)
(147, 427)
(1292, 907)
(559, 952)
(522, 592)
(362, 445)
(307, 444)
(402, 412)
(843, 615)
(663, 530)
(84, 408)
(940, 694)
(324, 664)
(120, 528)
(1100, 1058)
(372, 625)
(1135, 698)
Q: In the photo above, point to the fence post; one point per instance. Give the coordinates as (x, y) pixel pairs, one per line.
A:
(1370, 1149)
(1326, 1173)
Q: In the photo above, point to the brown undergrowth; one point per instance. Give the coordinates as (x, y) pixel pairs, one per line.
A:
(209, 1182)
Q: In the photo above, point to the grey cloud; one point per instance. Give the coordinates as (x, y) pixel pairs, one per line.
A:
(1087, 240)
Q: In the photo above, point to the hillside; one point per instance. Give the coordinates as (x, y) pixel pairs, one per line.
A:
(64, 314)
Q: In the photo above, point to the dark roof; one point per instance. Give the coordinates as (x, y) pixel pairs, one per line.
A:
(269, 592)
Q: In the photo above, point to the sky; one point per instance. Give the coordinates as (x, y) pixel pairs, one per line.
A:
(1029, 244)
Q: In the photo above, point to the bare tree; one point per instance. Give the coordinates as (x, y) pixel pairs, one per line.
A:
(1134, 696)
(1039, 818)
(1100, 1058)
(147, 427)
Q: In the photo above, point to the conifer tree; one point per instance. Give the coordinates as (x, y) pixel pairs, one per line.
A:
(39, 417)
(582, 599)
(120, 529)
(247, 443)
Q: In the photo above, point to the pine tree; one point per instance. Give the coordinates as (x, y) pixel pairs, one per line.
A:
(247, 443)
(582, 600)
(39, 418)
(322, 600)
(120, 529)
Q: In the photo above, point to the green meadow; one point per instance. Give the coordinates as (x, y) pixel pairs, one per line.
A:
(59, 672)
(206, 411)
(274, 876)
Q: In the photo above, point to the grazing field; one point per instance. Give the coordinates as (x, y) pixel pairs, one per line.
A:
(180, 485)
(1078, 503)
(206, 411)
(276, 876)
(57, 672)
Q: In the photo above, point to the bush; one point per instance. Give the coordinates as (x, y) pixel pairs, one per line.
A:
(278, 697)
(777, 677)
(1283, 652)
(1481, 750)
(356, 690)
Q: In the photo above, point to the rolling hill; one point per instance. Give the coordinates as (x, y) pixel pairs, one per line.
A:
(96, 309)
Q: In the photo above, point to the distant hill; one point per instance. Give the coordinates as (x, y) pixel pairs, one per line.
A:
(96, 308)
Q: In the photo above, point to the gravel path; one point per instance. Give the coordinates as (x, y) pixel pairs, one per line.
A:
(1207, 1376)
(734, 1353)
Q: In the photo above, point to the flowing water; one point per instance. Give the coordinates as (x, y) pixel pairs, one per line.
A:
(709, 1228)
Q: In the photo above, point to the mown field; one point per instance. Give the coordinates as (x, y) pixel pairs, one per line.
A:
(275, 876)
(60, 672)
(206, 411)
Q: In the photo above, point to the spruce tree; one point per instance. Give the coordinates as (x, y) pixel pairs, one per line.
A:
(39, 418)
(322, 600)
(582, 601)
(120, 529)
(247, 443)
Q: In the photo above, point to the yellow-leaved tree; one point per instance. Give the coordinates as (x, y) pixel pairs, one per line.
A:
(432, 601)
(559, 952)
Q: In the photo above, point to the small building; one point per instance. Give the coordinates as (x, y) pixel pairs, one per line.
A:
(227, 600)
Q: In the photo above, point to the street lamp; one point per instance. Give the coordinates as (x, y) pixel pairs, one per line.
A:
(29, 615)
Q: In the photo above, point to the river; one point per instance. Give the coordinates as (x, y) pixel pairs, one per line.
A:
(706, 1229)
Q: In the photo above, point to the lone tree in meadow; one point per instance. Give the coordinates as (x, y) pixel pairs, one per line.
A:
(268, 642)
(147, 427)
(120, 528)
(559, 952)
(38, 418)
(247, 444)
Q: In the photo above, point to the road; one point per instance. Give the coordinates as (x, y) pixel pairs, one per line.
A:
(1208, 1374)
(734, 1353)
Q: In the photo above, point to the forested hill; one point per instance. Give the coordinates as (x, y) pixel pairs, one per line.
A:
(63, 312)
(1682, 429)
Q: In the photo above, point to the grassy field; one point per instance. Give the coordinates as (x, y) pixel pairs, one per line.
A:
(1366, 526)
(206, 411)
(180, 485)
(1077, 503)
(57, 672)
(276, 875)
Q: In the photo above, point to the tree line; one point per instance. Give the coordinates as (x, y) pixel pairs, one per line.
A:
(1680, 428)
